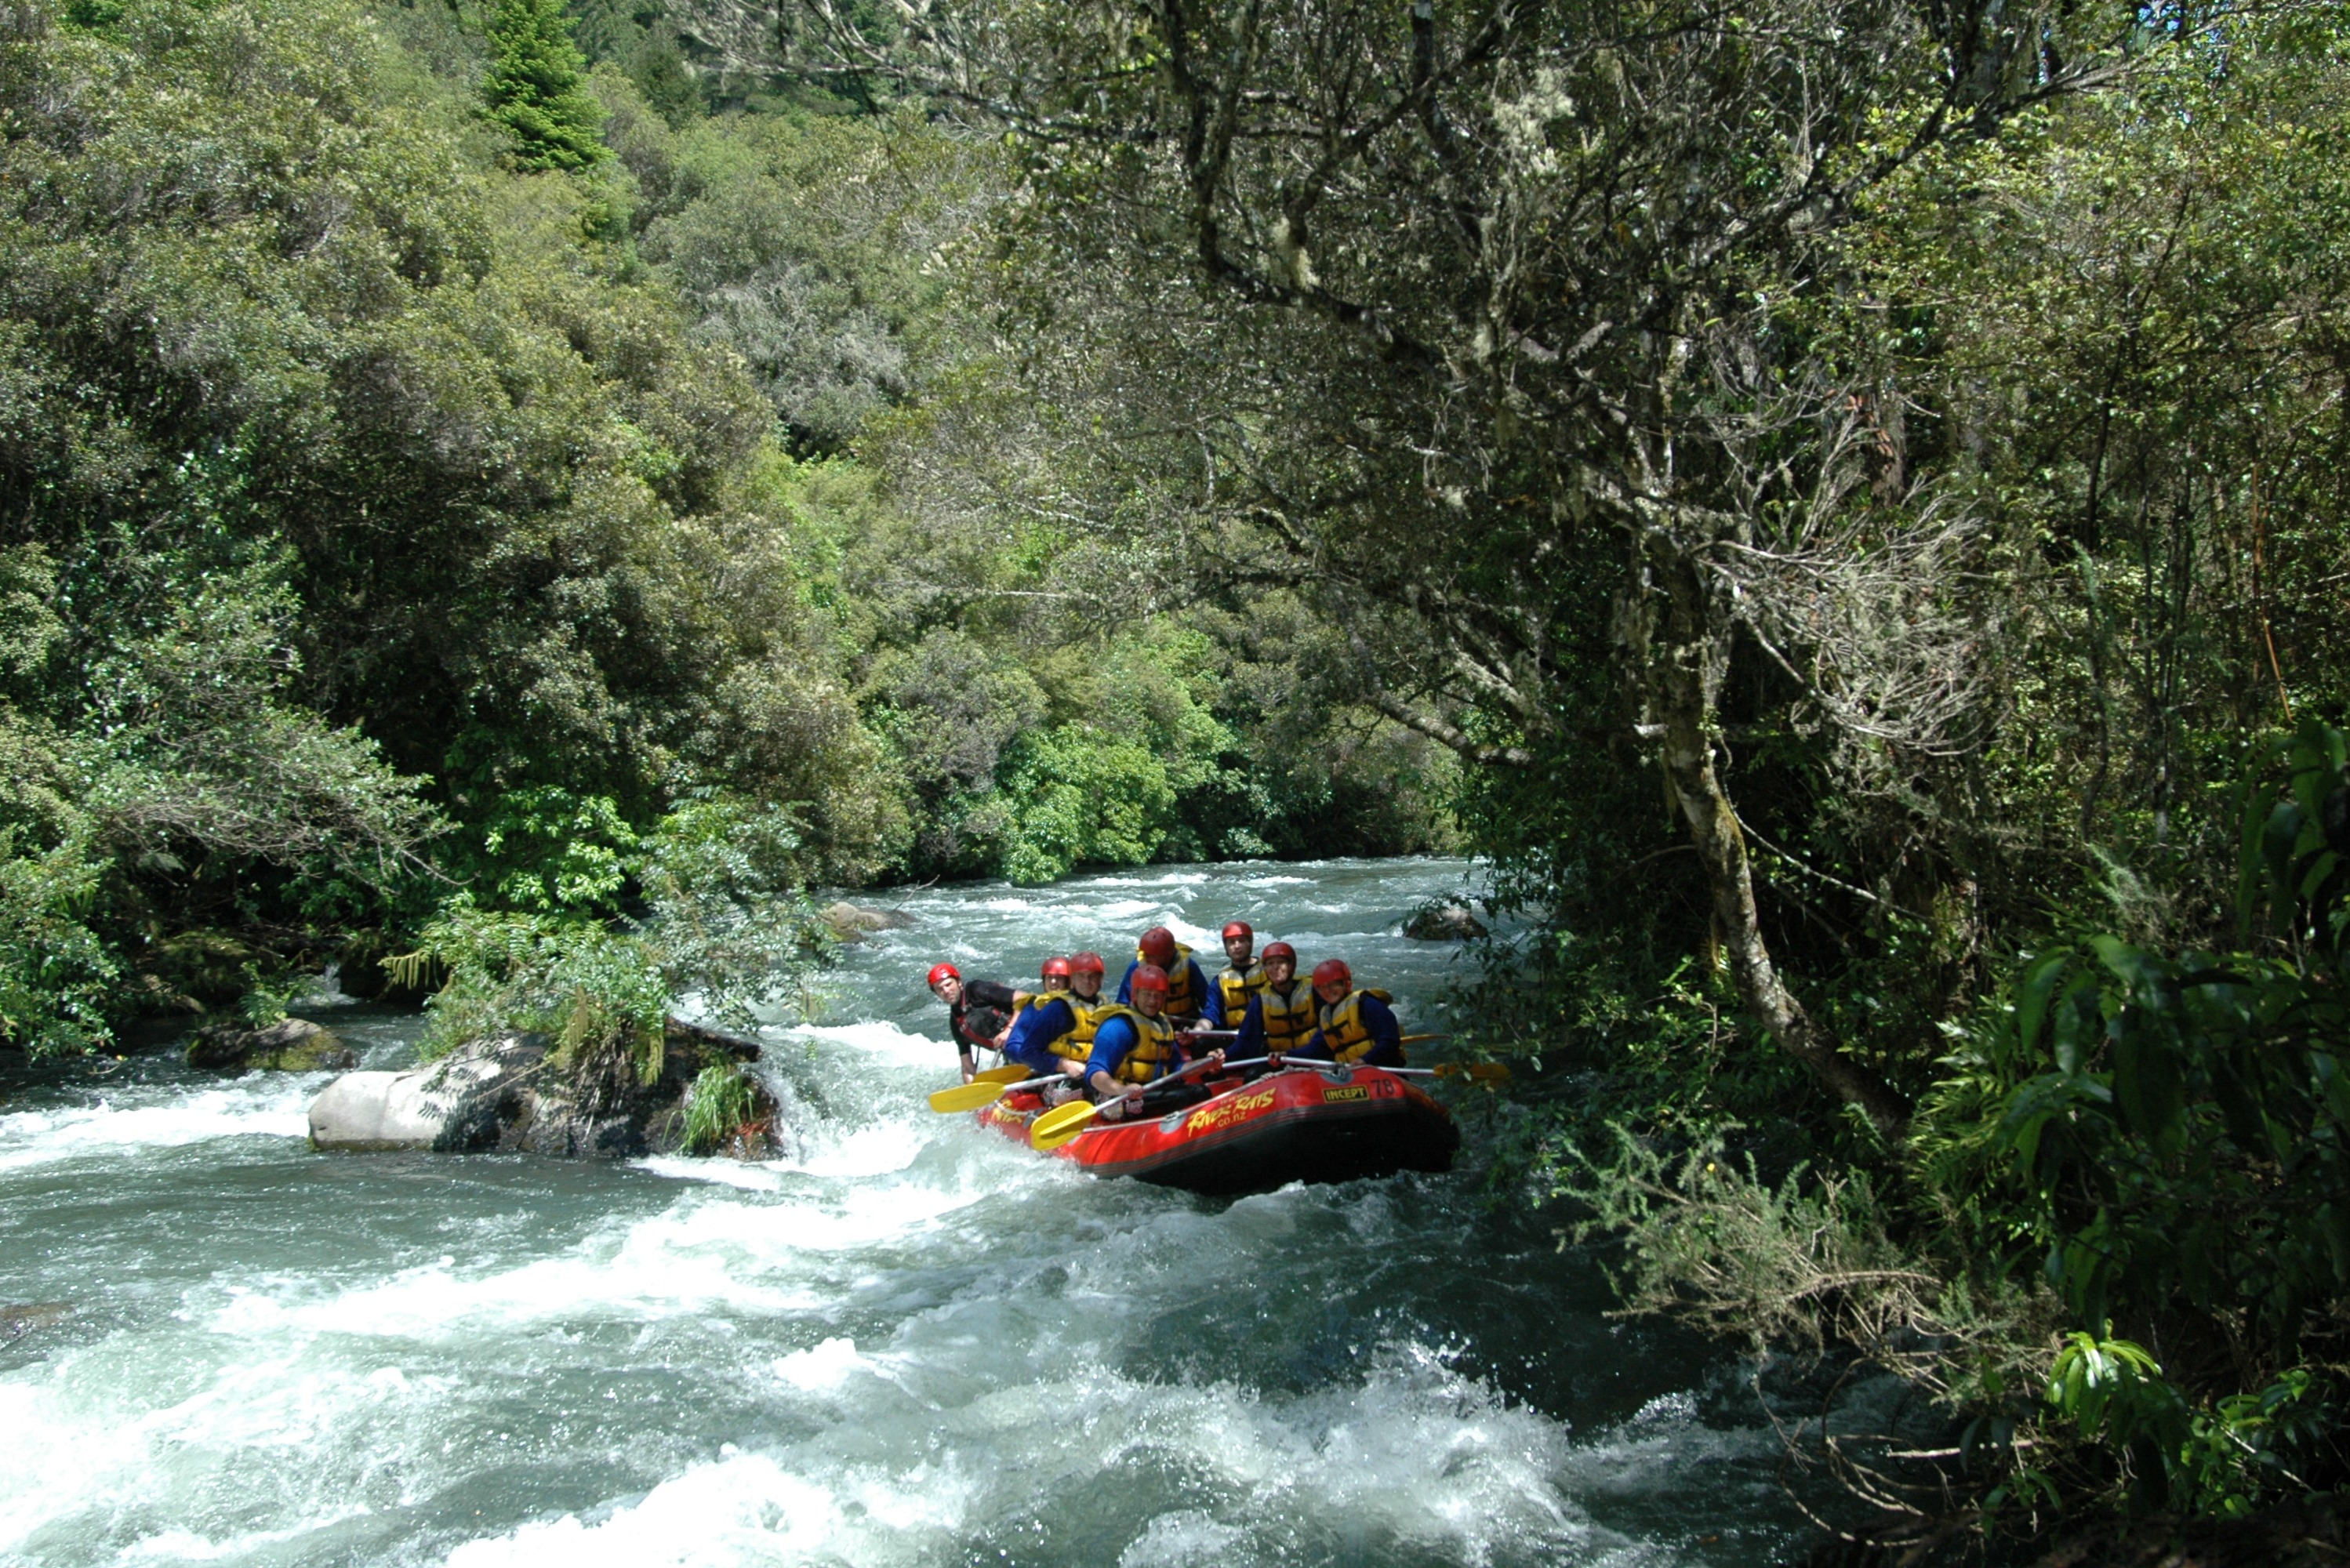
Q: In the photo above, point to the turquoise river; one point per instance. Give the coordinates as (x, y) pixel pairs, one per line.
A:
(908, 1342)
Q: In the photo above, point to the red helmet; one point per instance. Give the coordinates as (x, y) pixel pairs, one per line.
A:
(1278, 951)
(1057, 969)
(1087, 963)
(1330, 969)
(1157, 945)
(940, 971)
(1237, 928)
(1148, 977)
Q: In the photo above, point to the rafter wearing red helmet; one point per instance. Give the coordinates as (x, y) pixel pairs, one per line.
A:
(1134, 1046)
(979, 1012)
(1189, 997)
(1284, 1010)
(1242, 977)
(1351, 1025)
(1054, 977)
(1057, 1035)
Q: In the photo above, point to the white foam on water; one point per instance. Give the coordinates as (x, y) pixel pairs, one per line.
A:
(187, 1546)
(655, 1272)
(751, 1509)
(888, 1044)
(1187, 1537)
(822, 1369)
(717, 1171)
(1207, 944)
(1006, 905)
(1665, 1436)
(101, 1431)
(714, 1248)
(1174, 877)
(878, 1149)
(1122, 910)
(1414, 1453)
(272, 1105)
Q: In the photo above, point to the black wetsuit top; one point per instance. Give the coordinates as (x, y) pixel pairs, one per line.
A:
(987, 1009)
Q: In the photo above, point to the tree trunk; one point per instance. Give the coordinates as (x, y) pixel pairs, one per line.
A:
(1683, 660)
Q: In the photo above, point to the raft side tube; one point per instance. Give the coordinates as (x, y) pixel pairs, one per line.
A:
(1294, 1126)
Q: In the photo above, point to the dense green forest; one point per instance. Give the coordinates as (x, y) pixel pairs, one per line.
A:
(1844, 509)
(407, 497)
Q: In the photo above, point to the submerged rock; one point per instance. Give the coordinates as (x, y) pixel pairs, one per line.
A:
(17, 1322)
(288, 1046)
(1443, 921)
(851, 924)
(502, 1094)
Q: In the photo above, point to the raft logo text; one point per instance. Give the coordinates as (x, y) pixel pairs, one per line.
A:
(1247, 1105)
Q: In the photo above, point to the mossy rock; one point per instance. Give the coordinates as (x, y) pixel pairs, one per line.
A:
(850, 923)
(288, 1046)
(1443, 921)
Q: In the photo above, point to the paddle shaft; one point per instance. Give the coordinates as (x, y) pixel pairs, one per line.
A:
(1054, 1129)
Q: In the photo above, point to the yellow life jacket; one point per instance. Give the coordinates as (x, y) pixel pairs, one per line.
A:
(1343, 1029)
(1237, 985)
(1078, 1042)
(1154, 1053)
(1180, 1003)
(1026, 1002)
(1288, 1020)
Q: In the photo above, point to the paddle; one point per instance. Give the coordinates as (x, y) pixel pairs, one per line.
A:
(981, 1093)
(1010, 1073)
(1061, 1123)
(1475, 1072)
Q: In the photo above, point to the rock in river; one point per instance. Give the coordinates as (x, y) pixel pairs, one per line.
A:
(851, 924)
(1443, 921)
(288, 1046)
(501, 1094)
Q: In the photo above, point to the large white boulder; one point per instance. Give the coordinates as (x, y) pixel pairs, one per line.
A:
(413, 1109)
(500, 1094)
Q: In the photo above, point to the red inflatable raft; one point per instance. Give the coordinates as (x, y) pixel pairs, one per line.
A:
(1300, 1125)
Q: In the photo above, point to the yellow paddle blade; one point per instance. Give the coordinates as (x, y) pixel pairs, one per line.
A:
(971, 1096)
(1061, 1123)
(1476, 1072)
(1010, 1073)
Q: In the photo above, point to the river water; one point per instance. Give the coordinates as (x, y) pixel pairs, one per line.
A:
(910, 1341)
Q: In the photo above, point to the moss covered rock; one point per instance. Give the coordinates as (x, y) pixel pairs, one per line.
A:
(288, 1046)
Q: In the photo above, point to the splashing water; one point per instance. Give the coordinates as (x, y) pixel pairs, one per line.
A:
(909, 1342)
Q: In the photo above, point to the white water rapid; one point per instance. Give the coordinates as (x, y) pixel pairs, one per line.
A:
(910, 1341)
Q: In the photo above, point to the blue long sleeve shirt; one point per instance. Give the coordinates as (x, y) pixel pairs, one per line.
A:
(1386, 1036)
(1249, 1042)
(1032, 1035)
(1112, 1042)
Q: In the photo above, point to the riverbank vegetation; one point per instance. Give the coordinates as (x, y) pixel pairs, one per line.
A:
(1843, 508)
(1859, 489)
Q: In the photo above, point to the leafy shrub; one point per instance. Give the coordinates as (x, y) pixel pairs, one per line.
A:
(2162, 1136)
(598, 992)
(547, 850)
(59, 981)
(1083, 797)
(726, 922)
